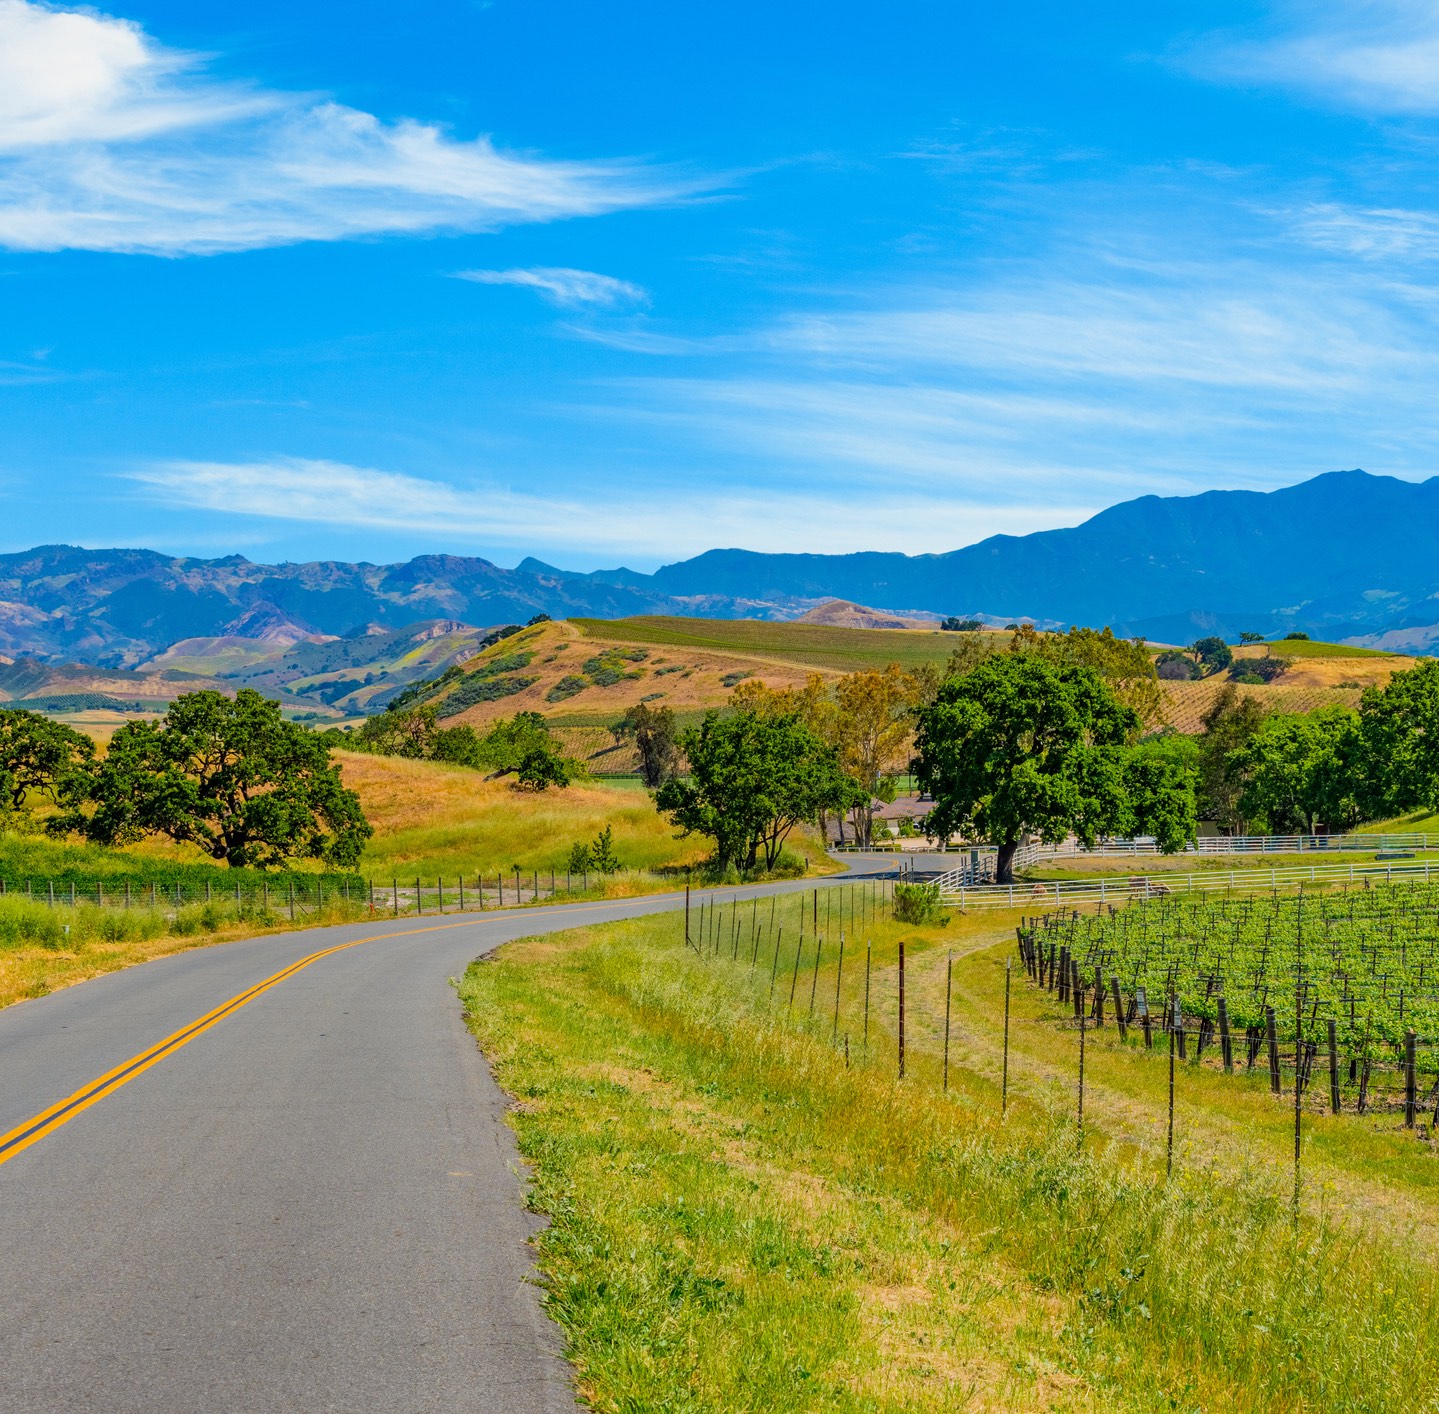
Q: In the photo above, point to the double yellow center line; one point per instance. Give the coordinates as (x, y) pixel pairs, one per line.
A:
(48, 1121)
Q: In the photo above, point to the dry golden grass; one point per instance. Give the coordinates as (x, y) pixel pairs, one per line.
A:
(448, 819)
(1329, 671)
(560, 650)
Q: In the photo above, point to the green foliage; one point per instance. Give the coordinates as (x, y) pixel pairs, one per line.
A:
(603, 859)
(512, 739)
(919, 903)
(1231, 721)
(1175, 666)
(957, 625)
(418, 692)
(608, 668)
(1251, 638)
(414, 733)
(567, 686)
(1296, 637)
(543, 766)
(753, 779)
(41, 757)
(656, 737)
(1401, 734)
(1260, 670)
(1159, 782)
(1023, 745)
(1303, 769)
(579, 861)
(229, 776)
(1212, 655)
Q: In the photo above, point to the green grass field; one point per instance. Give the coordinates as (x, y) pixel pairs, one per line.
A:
(1311, 648)
(816, 645)
(746, 1215)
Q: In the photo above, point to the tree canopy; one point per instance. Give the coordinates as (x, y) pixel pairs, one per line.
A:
(1232, 719)
(1025, 745)
(228, 775)
(1303, 769)
(656, 738)
(1401, 735)
(39, 756)
(752, 779)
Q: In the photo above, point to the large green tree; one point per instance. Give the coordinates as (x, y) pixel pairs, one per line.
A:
(656, 738)
(753, 778)
(230, 776)
(1401, 734)
(1303, 769)
(1232, 719)
(1023, 745)
(39, 756)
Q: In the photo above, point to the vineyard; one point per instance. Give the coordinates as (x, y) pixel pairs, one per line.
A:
(1351, 975)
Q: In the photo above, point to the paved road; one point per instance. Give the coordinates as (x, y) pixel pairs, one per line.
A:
(310, 1203)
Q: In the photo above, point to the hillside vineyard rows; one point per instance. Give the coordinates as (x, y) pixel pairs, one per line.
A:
(1264, 969)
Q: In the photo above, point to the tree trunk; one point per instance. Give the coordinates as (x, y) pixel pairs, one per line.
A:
(1004, 865)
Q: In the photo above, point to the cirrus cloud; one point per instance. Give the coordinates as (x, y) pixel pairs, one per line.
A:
(570, 289)
(110, 141)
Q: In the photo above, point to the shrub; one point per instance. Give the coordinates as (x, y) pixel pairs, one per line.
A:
(1296, 637)
(579, 861)
(733, 679)
(919, 903)
(567, 686)
(602, 852)
(1264, 669)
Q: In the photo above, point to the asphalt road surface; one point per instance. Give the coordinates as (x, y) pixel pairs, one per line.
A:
(231, 1183)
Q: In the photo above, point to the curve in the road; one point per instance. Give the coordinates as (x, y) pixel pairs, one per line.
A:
(318, 1209)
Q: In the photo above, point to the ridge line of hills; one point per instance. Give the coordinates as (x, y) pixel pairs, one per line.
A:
(1345, 556)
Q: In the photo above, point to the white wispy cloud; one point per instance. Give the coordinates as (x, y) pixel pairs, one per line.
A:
(570, 289)
(672, 521)
(1108, 374)
(111, 141)
(1368, 232)
(1374, 55)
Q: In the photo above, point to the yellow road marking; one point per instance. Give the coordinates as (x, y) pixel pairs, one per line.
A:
(48, 1121)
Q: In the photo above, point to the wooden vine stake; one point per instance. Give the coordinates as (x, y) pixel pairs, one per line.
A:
(901, 1011)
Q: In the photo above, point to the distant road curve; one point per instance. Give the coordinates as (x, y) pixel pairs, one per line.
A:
(273, 1175)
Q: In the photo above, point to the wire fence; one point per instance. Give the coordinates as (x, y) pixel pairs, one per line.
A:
(308, 895)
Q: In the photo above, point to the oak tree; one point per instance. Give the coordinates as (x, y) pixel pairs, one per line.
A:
(230, 776)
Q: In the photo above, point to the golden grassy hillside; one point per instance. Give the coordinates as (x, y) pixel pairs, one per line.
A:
(1331, 665)
(575, 674)
(450, 820)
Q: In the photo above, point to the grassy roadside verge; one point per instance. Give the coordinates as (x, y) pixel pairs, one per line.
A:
(739, 1220)
(43, 949)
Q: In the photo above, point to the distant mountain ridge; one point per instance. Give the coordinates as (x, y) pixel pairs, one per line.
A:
(1344, 555)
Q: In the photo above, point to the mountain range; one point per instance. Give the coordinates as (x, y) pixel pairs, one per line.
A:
(1344, 555)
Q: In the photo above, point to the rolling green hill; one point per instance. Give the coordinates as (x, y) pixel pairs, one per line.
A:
(845, 650)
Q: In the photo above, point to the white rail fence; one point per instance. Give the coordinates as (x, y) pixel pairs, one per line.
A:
(955, 889)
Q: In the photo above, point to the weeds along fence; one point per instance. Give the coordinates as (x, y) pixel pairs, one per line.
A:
(956, 890)
(1333, 1000)
(307, 895)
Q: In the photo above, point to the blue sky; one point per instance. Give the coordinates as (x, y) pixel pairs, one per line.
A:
(617, 284)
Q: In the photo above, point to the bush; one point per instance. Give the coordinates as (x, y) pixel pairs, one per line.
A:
(602, 852)
(919, 903)
(579, 861)
(567, 686)
(1296, 637)
(1265, 669)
